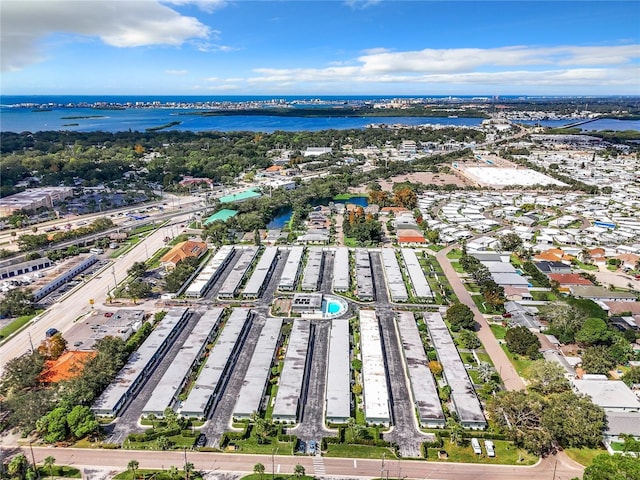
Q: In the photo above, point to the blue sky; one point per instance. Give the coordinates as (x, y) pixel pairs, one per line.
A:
(216, 47)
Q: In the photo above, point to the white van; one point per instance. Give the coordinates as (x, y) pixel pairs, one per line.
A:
(488, 445)
(96, 251)
(475, 444)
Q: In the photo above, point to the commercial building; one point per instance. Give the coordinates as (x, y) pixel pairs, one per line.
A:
(60, 280)
(289, 277)
(463, 395)
(421, 289)
(210, 273)
(423, 386)
(313, 269)
(166, 392)
(338, 395)
(205, 393)
(254, 385)
(393, 275)
(287, 404)
(375, 393)
(45, 197)
(307, 303)
(261, 274)
(23, 268)
(364, 278)
(182, 251)
(231, 285)
(341, 271)
(141, 364)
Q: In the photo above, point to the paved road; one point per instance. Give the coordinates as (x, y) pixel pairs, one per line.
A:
(405, 430)
(63, 314)
(552, 468)
(510, 377)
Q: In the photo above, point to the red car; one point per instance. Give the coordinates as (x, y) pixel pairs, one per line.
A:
(108, 314)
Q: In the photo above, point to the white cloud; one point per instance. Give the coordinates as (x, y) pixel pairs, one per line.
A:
(176, 72)
(513, 65)
(26, 23)
(208, 6)
(361, 4)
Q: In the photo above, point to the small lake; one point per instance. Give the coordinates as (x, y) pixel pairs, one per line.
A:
(284, 216)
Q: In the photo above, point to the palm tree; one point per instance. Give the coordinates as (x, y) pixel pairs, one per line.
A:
(173, 472)
(298, 471)
(49, 462)
(259, 469)
(485, 370)
(351, 423)
(133, 466)
(456, 432)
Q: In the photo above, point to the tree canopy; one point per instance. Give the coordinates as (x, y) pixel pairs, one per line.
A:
(522, 341)
(460, 316)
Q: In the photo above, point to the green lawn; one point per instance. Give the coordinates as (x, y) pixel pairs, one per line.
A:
(455, 253)
(498, 331)
(484, 357)
(156, 475)
(586, 266)
(59, 471)
(584, 456)
(16, 325)
(486, 308)
(358, 451)
(506, 454)
(457, 267)
(544, 296)
(521, 363)
(251, 445)
(350, 242)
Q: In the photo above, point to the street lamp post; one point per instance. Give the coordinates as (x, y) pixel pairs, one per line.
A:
(115, 281)
(273, 462)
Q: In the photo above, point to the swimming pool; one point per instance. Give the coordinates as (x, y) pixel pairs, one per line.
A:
(333, 306)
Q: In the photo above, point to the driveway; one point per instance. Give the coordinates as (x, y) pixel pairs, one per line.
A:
(503, 366)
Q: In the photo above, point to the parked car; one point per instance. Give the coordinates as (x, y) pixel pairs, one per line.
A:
(201, 441)
(108, 314)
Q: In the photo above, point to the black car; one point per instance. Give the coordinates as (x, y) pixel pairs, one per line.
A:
(201, 440)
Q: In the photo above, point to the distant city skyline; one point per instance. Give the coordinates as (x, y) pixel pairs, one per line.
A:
(333, 47)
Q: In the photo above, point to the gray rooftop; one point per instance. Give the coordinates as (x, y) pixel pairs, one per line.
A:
(131, 375)
(292, 376)
(198, 401)
(423, 385)
(393, 275)
(255, 380)
(261, 273)
(232, 283)
(463, 395)
(499, 267)
(510, 279)
(609, 394)
(364, 278)
(416, 274)
(312, 270)
(376, 396)
(339, 373)
(169, 386)
(289, 275)
(210, 272)
(341, 275)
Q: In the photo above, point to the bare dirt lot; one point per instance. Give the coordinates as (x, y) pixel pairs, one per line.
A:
(418, 177)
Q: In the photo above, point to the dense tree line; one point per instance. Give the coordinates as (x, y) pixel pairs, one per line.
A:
(549, 415)
(491, 291)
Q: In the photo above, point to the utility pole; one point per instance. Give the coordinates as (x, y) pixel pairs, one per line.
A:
(33, 459)
(273, 463)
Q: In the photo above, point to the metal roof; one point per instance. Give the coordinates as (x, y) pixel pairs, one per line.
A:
(261, 273)
(393, 275)
(364, 278)
(376, 396)
(255, 380)
(463, 395)
(210, 272)
(292, 376)
(289, 275)
(199, 399)
(341, 274)
(169, 386)
(423, 385)
(139, 363)
(421, 287)
(232, 283)
(339, 373)
(312, 270)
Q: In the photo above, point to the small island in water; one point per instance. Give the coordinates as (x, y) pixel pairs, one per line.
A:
(162, 127)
